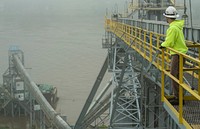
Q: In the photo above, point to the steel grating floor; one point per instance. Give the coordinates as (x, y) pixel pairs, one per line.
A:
(191, 113)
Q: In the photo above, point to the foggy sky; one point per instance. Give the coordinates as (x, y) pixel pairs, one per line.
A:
(58, 7)
(79, 8)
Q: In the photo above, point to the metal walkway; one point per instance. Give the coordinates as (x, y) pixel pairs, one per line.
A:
(141, 80)
(147, 43)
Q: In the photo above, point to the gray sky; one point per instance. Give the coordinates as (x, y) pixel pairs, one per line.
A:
(59, 7)
(70, 7)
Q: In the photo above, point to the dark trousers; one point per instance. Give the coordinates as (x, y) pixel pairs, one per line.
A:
(175, 72)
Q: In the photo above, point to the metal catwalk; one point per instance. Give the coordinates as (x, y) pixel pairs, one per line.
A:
(140, 84)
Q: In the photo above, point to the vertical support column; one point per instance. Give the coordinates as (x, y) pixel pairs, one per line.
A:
(42, 120)
(162, 77)
(31, 112)
(12, 110)
(126, 107)
(180, 89)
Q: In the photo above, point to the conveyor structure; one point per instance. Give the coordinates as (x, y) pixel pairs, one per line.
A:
(141, 80)
(20, 96)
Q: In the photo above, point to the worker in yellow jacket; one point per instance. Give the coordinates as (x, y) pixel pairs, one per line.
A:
(175, 40)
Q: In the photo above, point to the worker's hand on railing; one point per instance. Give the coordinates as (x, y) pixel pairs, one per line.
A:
(160, 51)
(161, 47)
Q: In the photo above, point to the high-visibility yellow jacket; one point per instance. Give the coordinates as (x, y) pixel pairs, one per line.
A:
(175, 38)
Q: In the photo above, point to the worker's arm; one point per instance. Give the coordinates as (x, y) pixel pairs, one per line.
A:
(170, 38)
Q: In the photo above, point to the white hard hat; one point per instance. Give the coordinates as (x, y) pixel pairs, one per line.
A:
(171, 12)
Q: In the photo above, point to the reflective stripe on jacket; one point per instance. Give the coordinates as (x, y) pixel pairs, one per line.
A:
(175, 38)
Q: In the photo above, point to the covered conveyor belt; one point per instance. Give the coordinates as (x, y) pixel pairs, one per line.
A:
(49, 112)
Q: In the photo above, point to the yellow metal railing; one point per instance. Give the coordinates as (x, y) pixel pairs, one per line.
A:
(147, 43)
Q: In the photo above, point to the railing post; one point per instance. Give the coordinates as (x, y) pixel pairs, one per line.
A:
(151, 48)
(111, 25)
(199, 73)
(162, 77)
(136, 32)
(145, 40)
(139, 42)
(140, 33)
(180, 89)
(158, 44)
(129, 33)
(126, 33)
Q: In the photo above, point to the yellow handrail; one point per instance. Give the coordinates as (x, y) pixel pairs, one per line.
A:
(147, 43)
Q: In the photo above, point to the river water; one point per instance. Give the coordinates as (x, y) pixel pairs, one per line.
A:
(61, 42)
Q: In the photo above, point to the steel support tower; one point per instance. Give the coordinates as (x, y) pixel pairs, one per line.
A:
(125, 96)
